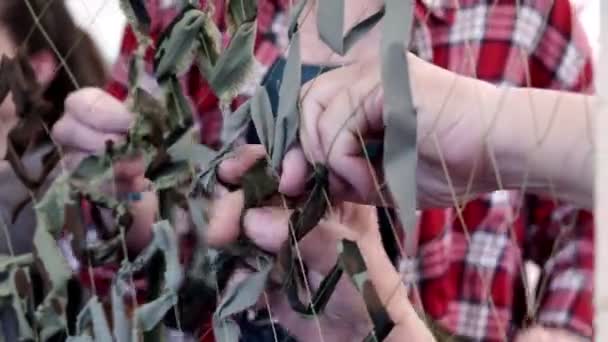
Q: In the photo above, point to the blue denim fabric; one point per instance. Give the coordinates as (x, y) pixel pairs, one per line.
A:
(272, 83)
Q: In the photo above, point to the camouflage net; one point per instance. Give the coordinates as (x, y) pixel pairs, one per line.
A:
(40, 289)
(183, 173)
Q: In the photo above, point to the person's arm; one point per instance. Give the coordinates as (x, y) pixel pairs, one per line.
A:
(547, 144)
(540, 138)
(559, 238)
(533, 136)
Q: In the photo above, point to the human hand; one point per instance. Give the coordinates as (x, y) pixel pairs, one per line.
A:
(91, 118)
(341, 104)
(345, 317)
(544, 334)
(268, 228)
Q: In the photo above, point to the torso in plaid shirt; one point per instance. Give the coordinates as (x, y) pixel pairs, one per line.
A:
(473, 287)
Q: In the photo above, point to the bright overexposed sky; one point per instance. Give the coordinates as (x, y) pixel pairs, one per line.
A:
(105, 21)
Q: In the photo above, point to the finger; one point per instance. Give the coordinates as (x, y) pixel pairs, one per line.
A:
(144, 213)
(391, 290)
(347, 221)
(348, 119)
(131, 190)
(224, 223)
(72, 158)
(132, 186)
(267, 227)
(128, 169)
(219, 192)
(98, 110)
(355, 111)
(325, 86)
(315, 96)
(237, 277)
(295, 172)
(318, 250)
(70, 133)
(232, 169)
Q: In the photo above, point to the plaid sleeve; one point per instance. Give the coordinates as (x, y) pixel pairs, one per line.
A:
(560, 240)
(562, 60)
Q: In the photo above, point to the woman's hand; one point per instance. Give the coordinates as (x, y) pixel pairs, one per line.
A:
(544, 334)
(345, 317)
(92, 117)
(342, 108)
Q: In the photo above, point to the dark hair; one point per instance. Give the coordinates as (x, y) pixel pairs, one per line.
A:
(83, 58)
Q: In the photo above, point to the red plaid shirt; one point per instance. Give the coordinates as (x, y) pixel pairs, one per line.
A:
(473, 287)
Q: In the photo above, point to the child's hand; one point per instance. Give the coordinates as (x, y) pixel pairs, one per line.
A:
(92, 117)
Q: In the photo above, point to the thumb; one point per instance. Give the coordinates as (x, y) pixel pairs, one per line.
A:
(224, 221)
(295, 172)
(98, 110)
(267, 227)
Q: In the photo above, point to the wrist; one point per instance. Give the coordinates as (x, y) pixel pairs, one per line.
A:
(514, 143)
(543, 148)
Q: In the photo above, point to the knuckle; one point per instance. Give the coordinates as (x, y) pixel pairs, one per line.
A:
(60, 129)
(71, 99)
(327, 133)
(345, 97)
(356, 95)
(76, 97)
(305, 89)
